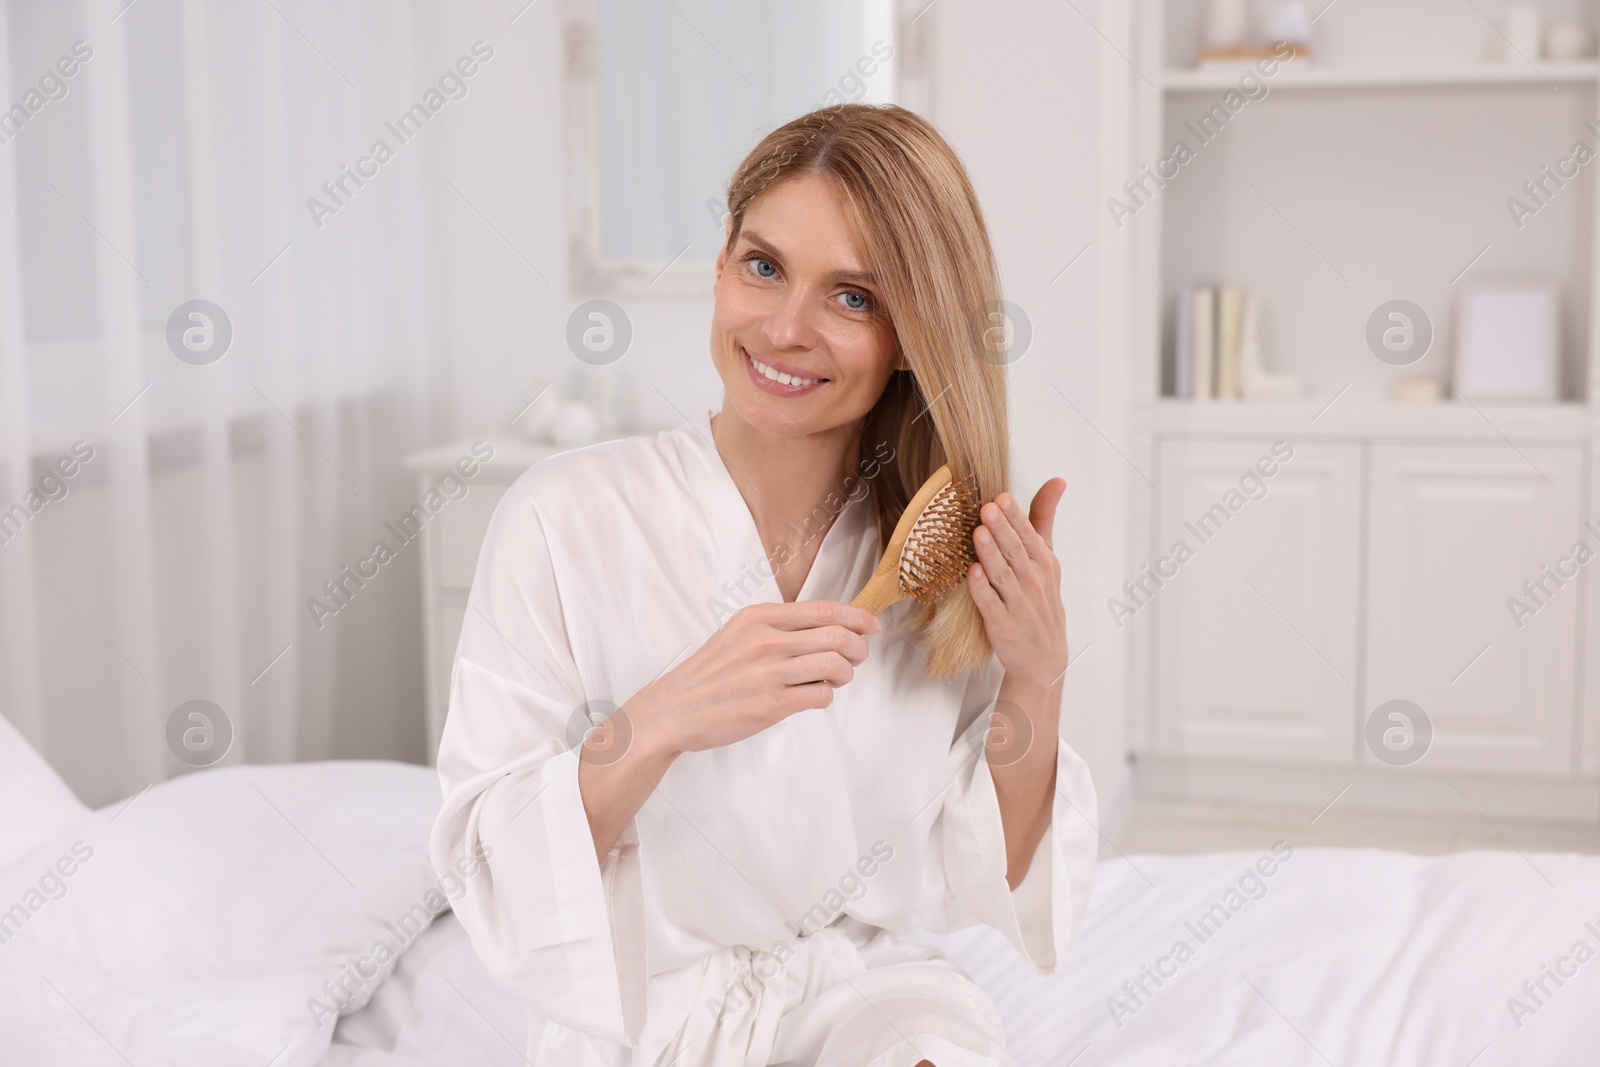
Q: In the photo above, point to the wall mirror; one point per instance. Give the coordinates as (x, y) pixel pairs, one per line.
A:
(664, 98)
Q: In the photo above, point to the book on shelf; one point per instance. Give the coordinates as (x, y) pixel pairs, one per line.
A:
(1194, 349)
(1217, 348)
(1230, 321)
(1183, 348)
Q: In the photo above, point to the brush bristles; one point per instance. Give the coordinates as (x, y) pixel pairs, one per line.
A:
(938, 549)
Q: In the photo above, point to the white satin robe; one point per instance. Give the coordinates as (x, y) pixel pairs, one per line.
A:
(602, 568)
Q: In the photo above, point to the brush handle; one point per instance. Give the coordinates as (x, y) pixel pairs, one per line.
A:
(882, 591)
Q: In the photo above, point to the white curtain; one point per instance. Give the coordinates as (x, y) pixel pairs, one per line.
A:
(175, 163)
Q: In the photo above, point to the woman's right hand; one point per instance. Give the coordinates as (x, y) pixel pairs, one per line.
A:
(766, 663)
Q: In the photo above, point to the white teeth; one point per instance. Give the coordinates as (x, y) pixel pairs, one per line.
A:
(779, 376)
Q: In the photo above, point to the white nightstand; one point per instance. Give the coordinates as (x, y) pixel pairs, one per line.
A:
(450, 544)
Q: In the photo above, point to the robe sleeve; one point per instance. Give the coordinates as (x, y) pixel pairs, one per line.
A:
(964, 876)
(547, 919)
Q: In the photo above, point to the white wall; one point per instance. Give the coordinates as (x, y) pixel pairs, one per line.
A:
(1019, 96)
(505, 152)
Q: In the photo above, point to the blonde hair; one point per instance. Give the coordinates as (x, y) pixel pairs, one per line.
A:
(929, 250)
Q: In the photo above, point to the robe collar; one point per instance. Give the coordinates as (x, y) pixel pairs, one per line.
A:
(845, 559)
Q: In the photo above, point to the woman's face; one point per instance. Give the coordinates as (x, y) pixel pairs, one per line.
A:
(795, 297)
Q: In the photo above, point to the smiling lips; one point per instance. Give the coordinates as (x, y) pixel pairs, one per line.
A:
(777, 381)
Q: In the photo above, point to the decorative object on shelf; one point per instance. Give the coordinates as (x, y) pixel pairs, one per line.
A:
(1418, 390)
(1226, 26)
(1288, 28)
(1228, 36)
(586, 405)
(534, 422)
(1255, 381)
(1566, 40)
(1518, 36)
(1508, 341)
(601, 389)
(575, 423)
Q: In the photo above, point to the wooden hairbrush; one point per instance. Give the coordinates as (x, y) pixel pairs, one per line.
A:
(931, 549)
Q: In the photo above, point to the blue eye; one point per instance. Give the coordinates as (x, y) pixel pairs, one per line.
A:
(764, 267)
(856, 301)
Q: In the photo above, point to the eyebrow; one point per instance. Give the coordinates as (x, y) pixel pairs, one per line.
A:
(763, 245)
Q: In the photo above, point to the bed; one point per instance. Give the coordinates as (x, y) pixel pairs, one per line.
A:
(232, 916)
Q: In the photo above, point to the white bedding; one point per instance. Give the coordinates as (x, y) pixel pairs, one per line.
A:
(197, 922)
(35, 804)
(211, 909)
(1352, 957)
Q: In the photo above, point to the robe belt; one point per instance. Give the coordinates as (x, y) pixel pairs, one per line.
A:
(736, 997)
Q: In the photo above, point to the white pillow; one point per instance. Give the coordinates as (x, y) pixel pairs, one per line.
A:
(198, 923)
(35, 804)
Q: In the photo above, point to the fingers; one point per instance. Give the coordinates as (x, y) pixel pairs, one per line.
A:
(1003, 520)
(830, 668)
(808, 614)
(1032, 541)
(1042, 515)
(797, 698)
(1001, 551)
(997, 572)
(990, 606)
(1035, 530)
(841, 639)
(1015, 556)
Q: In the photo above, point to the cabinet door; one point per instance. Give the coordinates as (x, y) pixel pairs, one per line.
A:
(1456, 531)
(1256, 634)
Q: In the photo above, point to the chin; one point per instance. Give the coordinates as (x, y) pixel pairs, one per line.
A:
(788, 418)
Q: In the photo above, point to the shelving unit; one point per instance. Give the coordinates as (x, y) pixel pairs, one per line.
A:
(1342, 417)
(1359, 174)
(1387, 76)
(1388, 549)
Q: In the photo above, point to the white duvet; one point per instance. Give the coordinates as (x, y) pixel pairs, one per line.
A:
(235, 917)
(1351, 957)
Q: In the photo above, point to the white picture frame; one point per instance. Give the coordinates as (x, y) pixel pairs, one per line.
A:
(1508, 341)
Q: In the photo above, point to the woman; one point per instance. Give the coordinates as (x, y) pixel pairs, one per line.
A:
(722, 873)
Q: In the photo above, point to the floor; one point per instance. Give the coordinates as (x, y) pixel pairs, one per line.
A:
(1177, 828)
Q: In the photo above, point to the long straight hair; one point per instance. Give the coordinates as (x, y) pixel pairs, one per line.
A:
(929, 250)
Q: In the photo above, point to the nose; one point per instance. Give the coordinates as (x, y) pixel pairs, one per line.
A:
(790, 324)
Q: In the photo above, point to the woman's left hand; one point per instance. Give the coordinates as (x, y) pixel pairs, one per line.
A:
(1016, 584)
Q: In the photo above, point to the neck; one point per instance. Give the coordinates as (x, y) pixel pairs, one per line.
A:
(785, 479)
